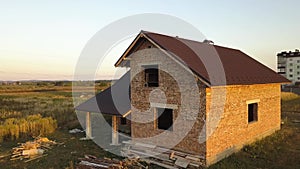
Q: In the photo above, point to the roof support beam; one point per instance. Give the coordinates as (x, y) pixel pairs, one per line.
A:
(115, 134)
(126, 114)
(128, 50)
(88, 124)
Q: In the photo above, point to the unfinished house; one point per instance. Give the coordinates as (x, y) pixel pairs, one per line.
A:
(192, 97)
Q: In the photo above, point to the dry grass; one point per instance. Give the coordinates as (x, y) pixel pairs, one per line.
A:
(290, 102)
(287, 96)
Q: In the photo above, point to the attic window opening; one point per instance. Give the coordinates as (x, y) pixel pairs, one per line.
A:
(252, 112)
(165, 119)
(123, 121)
(151, 76)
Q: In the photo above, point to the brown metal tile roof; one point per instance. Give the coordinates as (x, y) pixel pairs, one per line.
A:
(239, 68)
(114, 100)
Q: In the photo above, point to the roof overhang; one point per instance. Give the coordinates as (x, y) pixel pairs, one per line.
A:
(114, 100)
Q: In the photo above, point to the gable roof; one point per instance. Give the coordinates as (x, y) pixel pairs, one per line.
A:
(114, 100)
(239, 68)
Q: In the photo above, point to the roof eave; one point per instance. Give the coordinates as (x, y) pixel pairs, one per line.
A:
(120, 60)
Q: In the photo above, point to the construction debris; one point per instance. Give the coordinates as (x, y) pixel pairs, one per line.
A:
(74, 131)
(92, 162)
(296, 121)
(139, 154)
(163, 157)
(32, 150)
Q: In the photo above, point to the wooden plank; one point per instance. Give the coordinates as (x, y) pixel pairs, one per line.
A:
(145, 145)
(17, 158)
(155, 118)
(163, 157)
(182, 162)
(2, 156)
(36, 158)
(192, 158)
(86, 163)
(88, 128)
(160, 164)
(115, 134)
(141, 153)
(128, 49)
(16, 155)
(127, 142)
(126, 114)
(195, 165)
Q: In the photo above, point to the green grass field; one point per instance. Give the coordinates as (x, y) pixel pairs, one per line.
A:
(280, 150)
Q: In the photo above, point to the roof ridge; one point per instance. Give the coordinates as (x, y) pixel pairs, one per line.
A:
(185, 39)
(237, 64)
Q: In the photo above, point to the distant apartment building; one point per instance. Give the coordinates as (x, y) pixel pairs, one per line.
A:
(288, 65)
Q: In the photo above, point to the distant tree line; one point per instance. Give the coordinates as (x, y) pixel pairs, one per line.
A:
(56, 83)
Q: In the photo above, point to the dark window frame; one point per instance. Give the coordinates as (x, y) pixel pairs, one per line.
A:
(252, 111)
(151, 75)
(123, 121)
(165, 119)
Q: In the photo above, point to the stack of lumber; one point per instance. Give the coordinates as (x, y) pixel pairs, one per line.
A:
(92, 162)
(163, 157)
(32, 149)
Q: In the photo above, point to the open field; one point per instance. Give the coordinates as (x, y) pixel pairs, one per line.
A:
(281, 150)
(22, 101)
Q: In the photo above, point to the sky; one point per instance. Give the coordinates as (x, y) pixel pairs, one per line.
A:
(42, 40)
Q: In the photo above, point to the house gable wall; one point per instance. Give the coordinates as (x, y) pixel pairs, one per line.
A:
(175, 91)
